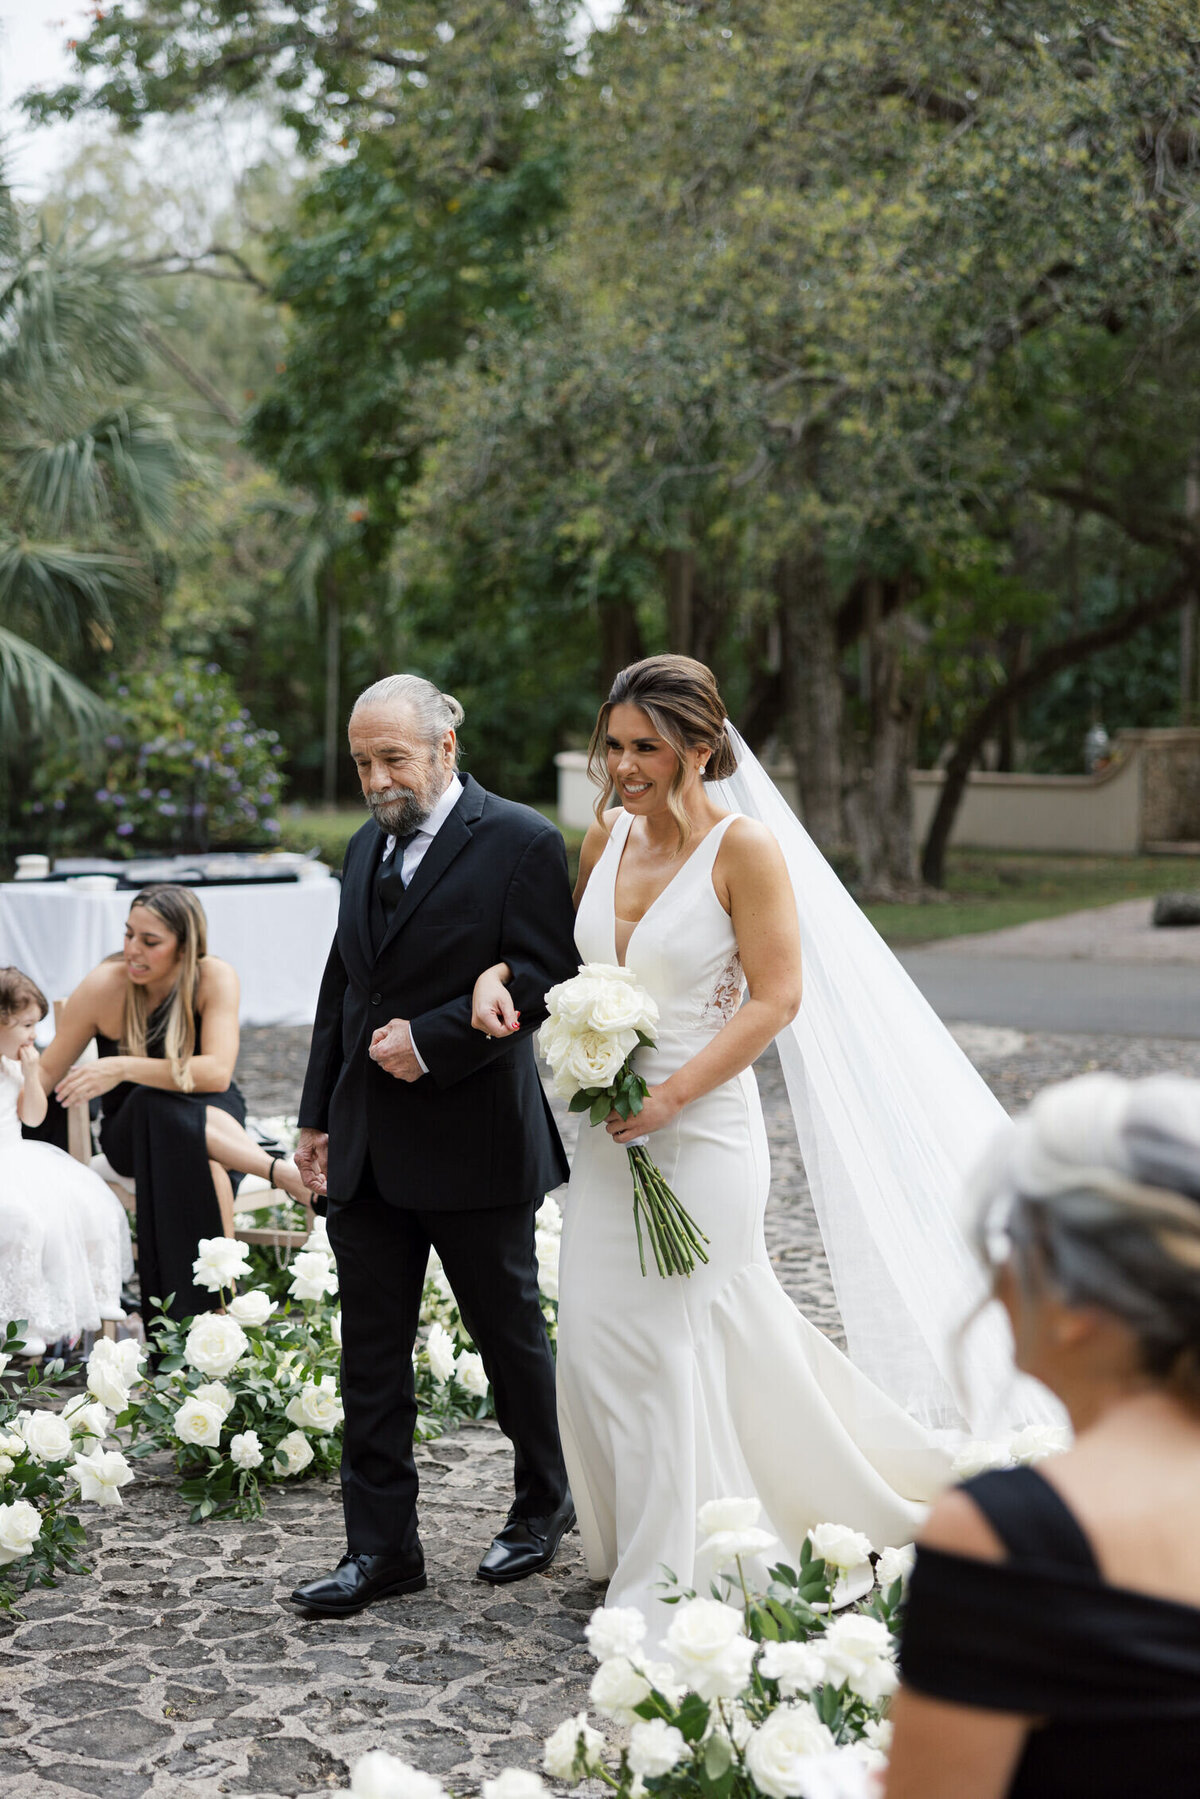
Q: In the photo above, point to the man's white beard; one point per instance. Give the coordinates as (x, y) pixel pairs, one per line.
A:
(401, 814)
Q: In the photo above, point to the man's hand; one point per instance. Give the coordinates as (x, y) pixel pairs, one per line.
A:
(392, 1049)
(312, 1159)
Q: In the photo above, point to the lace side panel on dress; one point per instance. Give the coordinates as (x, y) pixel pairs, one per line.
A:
(726, 996)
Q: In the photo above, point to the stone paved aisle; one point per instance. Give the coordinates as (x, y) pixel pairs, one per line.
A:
(178, 1668)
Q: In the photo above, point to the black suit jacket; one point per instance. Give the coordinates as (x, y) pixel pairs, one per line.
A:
(476, 1131)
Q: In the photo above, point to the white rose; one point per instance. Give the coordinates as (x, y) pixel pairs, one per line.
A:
(728, 1514)
(439, 1348)
(1037, 1441)
(471, 1373)
(100, 1476)
(570, 1003)
(6, 1466)
(378, 1775)
(620, 1006)
(655, 1747)
(726, 1546)
(840, 1774)
(245, 1450)
(293, 1453)
(221, 1262)
(839, 1546)
(313, 1275)
(114, 1369)
(546, 1248)
(776, 1752)
(614, 1630)
(47, 1437)
(215, 1344)
(335, 1329)
(859, 1654)
(316, 1406)
(617, 1688)
(514, 1783)
(198, 1423)
(549, 1218)
(86, 1420)
(4, 1361)
(595, 1060)
(253, 1308)
(979, 1455)
(895, 1565)
(798, 1667)
(555, 1037)
(318, 1237)
(20, 1527)
(877, 1734)
(573, 1750)
(708, 1644)
(12, 1443)
(213, 1393)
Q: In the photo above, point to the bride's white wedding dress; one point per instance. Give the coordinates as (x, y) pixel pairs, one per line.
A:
(676, 1391)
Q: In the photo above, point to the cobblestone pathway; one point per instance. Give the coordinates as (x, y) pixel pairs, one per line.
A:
(178, 1668)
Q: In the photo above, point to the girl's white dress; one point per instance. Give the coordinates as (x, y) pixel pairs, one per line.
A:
(676, 1391)
(64, 1236)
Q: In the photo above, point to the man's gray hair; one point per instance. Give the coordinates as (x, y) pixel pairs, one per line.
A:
(435, 713)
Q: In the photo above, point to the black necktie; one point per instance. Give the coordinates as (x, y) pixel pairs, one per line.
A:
(389, 887)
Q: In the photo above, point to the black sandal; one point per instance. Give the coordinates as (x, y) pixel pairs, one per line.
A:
(276, 1155)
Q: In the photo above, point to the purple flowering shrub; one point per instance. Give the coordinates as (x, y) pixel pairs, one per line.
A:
(187, 769)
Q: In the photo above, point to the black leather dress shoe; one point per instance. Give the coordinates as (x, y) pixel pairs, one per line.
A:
(359, 1579)
(526, 1545)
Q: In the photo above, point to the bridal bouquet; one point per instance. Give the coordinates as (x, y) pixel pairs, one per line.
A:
(596, 1021)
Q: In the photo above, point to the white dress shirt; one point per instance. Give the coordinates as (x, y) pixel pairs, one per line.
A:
(416, 848)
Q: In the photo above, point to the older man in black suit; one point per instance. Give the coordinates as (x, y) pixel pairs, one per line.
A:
(422, 1131)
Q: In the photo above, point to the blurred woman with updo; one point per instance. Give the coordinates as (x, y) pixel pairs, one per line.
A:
(164, 1014)
(1052, 1641)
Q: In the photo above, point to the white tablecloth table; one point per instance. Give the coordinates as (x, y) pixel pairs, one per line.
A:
(276, 936)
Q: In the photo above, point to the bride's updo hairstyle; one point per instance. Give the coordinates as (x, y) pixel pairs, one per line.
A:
(681, 699)
(1095, 1198)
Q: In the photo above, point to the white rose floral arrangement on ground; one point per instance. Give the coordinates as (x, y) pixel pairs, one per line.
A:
(774, 1689)
(50, 1458)
(248, 1395)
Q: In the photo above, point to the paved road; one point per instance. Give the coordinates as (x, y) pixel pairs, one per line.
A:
(1036, 994)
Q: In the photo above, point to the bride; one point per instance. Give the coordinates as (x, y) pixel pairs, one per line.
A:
(676, 1391)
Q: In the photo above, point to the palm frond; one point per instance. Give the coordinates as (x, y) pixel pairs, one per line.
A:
(131, 451)
(35, 693)
(67, 318)
(65, 588)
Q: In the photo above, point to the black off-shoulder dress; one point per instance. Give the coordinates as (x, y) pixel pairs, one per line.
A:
(1113, 1675)
(158, 1137)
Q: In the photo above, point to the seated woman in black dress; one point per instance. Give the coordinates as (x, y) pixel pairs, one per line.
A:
(1052, 1642)
(164, 1014)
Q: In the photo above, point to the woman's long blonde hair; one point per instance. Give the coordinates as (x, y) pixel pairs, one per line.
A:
(183, 915)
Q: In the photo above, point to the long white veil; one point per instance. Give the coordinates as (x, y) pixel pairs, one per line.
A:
(891, 1118)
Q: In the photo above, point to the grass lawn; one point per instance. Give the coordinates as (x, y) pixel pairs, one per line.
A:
(985, 890)
(989, 890)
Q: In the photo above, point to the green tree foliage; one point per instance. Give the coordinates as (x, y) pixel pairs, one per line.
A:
(88, 474)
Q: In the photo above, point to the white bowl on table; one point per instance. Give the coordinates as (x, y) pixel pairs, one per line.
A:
(94, 883)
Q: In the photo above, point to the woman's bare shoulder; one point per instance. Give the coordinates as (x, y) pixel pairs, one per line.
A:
(748, 849)
(958, 1527)
(217, 979)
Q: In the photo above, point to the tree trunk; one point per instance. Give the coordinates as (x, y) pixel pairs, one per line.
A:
(620, 639)
(681, 583)
(333, 689)
(812, 687)
(879, 807)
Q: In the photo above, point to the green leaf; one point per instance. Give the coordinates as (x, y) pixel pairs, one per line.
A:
(580, 1101)
(600, 1109)
(691, 1720)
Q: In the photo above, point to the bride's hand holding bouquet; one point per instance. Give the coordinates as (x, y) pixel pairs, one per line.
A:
(595, 1023)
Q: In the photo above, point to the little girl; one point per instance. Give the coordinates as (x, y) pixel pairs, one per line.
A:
(64, 1236)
